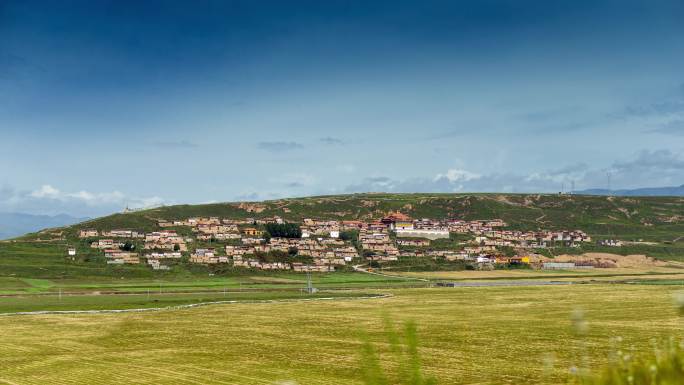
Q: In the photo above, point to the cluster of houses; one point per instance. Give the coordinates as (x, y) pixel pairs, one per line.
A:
(120, 257)
(326, 244)
(166, 240)
(610, 242)
(537, 239)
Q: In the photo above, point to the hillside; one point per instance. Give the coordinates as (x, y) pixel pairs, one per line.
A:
(647, 218)
(652, 225)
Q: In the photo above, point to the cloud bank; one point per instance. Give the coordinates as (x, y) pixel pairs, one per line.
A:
(647, 168)
(50, 200)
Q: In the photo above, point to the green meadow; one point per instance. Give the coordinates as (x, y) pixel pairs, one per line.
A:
(151, 299)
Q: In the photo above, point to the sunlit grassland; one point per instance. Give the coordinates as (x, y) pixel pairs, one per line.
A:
(467, 335)
(152, 299)
(273, 281)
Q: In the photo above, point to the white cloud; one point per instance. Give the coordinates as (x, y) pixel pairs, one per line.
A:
(141, 203)
(97, 198)
(46, 191)
(457, 175)
(646, 169)
(566, 174)
(51, 200)
(49, 192)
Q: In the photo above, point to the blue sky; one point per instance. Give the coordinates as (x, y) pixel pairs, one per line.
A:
(106, 103)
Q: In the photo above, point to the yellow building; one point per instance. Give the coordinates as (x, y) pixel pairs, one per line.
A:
(252, 231)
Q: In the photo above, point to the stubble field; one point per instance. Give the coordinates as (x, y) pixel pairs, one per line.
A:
(467, 336)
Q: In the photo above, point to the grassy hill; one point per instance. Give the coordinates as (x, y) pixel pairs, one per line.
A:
(656, 223)
(649, 218)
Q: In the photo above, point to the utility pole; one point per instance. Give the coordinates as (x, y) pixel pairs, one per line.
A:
(309, 285)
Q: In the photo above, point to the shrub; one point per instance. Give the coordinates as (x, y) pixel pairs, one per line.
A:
(664, 367)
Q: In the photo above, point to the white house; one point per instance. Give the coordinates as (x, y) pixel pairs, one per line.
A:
(484, 259)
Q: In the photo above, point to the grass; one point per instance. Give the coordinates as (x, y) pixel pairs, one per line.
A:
(270, 281)
(664, 366)
(614, 274)
(467, 335)
(404, 353)
(56, 302)
(658, 282)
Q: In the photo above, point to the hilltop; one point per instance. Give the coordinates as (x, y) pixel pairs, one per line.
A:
(647, 218)
(647, 225)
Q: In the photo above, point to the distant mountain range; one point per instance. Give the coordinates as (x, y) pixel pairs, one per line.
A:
(15, 224)
(646, 191)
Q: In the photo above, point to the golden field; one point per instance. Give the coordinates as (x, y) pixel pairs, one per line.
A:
(467, 336)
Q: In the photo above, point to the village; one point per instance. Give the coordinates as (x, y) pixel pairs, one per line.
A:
(323, 245)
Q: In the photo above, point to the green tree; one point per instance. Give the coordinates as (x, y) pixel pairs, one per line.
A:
(368, 253)
(284, 230)
(349, 235)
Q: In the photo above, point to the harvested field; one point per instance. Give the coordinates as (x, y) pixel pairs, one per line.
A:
(319, 343)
